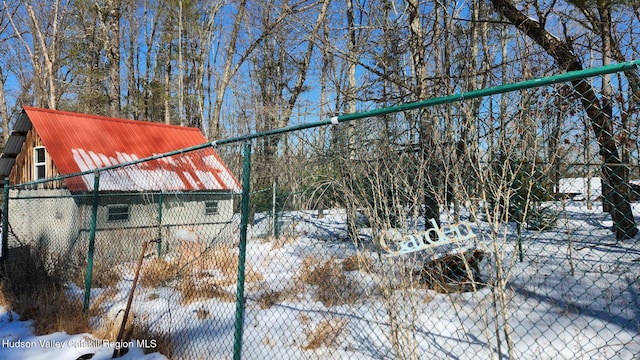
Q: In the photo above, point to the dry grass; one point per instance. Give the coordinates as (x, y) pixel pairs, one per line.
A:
(203, 314)
(313, 270)
(103, 275)
(156, 342)
(325, 334)
(207, 273)
(188, 253)
(357, 262)
(96, 308)
(333, 286)
(199, 274)
(110, 328)
(3, 298)
(157, 272)
(219, 264)
(282, 240)
(269, 298)
(192, 291)
(137, 329)
(71, 319)
(35, 289)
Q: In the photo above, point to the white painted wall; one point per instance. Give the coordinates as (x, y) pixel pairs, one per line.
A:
(62, 221)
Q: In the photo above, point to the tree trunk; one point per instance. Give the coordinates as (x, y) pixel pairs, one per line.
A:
(112, 36)
(223, 82)
(49, 52)
(231, 68)
(350, 96)
(132, 99)
(4, 113)
(426, 128)
(167, 86)
(598, 113)
(278, 110)
(151, 31)
(202, 77)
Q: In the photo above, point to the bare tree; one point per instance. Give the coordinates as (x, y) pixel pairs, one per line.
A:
(227, 73)
(4, 113)
(427, 128)
(235, 57)
(599, 111)
(46, 23)
(109, 15)
(205, 30)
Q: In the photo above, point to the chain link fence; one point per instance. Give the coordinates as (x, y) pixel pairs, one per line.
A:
(499, 223)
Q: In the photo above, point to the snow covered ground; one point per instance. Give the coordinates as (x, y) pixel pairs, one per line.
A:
(575, 295)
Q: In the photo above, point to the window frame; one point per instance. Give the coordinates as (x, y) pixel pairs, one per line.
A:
(124, 213)
(37, 165)
(212, 207)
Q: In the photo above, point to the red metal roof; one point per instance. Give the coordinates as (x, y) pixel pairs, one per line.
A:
(79, 142)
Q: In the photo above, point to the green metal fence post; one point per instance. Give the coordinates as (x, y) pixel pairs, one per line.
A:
(520, 254)
(159, 238)
(242, 251)
(5, 220)
(92, 238)
(274, 218)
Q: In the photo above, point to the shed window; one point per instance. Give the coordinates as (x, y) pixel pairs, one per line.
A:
(39, 163)
(118, 213)
(211, 208)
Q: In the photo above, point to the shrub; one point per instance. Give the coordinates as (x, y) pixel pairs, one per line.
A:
(34, 286)
(263, 201)
(356, 262)
(541, 218)
(269, 298)
(157, 272)
(325, 334)
(333, 286)
(528, 186)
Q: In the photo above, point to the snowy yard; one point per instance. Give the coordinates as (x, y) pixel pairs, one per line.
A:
(18, 342)
(575, 295)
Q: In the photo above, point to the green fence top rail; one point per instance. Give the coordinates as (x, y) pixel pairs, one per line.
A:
(500, 89)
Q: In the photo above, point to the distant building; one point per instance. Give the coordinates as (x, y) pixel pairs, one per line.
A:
(581, 188)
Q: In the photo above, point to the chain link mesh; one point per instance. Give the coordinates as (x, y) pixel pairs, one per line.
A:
(498, 227)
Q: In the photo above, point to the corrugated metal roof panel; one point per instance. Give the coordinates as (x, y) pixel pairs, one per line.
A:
(78, 142)
(14, 144)
(6, 164)
(22, 124)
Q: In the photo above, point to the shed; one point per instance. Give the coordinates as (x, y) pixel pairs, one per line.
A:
(187, 196)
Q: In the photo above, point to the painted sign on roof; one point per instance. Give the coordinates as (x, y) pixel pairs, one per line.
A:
(79, 142)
